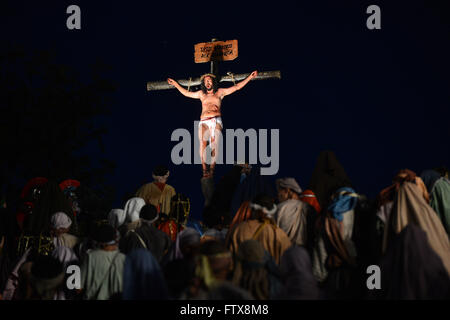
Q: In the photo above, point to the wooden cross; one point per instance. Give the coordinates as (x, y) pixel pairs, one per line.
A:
(218, 54)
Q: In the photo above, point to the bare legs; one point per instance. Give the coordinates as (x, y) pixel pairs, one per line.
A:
(204, 135)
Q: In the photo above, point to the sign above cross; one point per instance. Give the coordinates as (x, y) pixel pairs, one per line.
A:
(214, 52)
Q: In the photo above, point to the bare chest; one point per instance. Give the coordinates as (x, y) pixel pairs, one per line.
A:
(211, 100)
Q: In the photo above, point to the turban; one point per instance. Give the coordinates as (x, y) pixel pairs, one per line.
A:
(60, 220)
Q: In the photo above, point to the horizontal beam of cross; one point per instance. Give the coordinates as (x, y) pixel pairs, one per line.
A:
(163, 85)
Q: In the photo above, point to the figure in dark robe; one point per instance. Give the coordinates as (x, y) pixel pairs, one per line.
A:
(328, 176)
(143, 234)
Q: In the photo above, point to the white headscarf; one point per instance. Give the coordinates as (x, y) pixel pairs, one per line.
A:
(60, 220)
(116, 217)
(133, 207)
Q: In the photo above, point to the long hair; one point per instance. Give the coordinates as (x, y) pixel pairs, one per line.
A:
(215, 85)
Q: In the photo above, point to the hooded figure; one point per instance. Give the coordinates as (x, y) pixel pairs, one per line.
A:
(334, 253)
(327, 177)
(132, 209)
(143, 234)
(262, 228)
(411, 207)
(116, 217)
(292, 213)
(142, 278)
(298, 279)
(412, 270)
(158, 192)
(185, 245)
(256, 272)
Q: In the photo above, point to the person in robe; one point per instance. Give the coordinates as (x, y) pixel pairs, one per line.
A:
(143, 278)
(296, 274)
(66, 257)
(212, 267)
(60, 226)
(262, 228)
(102, 268)
(158, 192)
(439, 189)
(143, 234)
(411, 269)
(292, 214)
(334, 253)
(46, 278)
(179, 264)
(256, 272)
(215, 220)
(210, 125)
(186, 245)
(310, 198)
(328, 176)
(411, 206)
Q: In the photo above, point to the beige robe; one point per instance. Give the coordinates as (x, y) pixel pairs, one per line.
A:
(153, 195)
(411, 207)
(273, 239)
(291, 218)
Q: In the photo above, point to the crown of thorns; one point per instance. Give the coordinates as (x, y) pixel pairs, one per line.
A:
(207, 75)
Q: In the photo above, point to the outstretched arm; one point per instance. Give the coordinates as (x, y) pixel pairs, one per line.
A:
(183, 91)
(240, 85)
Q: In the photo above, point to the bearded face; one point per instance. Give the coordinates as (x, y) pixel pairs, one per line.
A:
(209, 83)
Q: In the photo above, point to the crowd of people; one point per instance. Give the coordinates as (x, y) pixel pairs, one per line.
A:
(255, 241)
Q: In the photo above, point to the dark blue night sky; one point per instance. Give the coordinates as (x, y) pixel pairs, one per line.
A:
(378, 98)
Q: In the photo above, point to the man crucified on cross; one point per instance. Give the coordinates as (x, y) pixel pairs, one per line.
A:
(210, 125)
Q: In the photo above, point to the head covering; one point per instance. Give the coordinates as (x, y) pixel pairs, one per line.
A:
(289, 183)
(38, 181)
(60, 220)
(410, 207)
(405, 175)
(133, 208)
(328, 176)
(142, 277)
(309, 197)
(255, 271)
(264, 203)
(116, 217)
(429, 178)
(296, 272)
(343, 200)
(411, 269)
(243, 214)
